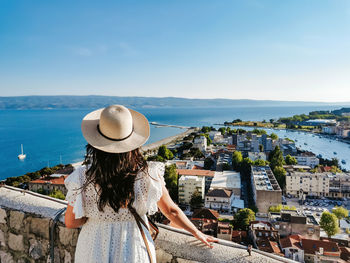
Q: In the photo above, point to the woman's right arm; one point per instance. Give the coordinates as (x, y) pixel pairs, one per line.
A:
(70, 220)
(178, 218)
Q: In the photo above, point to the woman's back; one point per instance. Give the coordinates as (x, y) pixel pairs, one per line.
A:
(111, 235)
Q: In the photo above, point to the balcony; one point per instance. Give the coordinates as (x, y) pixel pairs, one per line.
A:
(26, 218)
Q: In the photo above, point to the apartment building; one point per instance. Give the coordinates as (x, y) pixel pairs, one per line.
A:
(227, 180)
(266, 191)
(318, 184)
(188, 184)
(207, 174)
(308, 159)
(292, 222)
(49, 184)
(200, 142)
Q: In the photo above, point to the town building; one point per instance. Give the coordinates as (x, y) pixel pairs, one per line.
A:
(291, 247)
(264, 237)
(49, 184)
(329, 129)
(266, 191)
(188, 185)
(200, 142)
(301, 184)
(320, 251)
(227, 180)
(292, 222)
(186, 164)
(206, 220)
(223, 201)
(257, 156)
(224, 231)
(207, 174)
(307, 159)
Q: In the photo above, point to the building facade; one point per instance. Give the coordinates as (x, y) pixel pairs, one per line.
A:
(266, 191)
(189, 184)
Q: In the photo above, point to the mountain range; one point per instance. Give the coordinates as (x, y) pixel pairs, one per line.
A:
(94, 101)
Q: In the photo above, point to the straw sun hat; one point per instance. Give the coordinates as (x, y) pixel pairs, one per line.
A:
(115, 129)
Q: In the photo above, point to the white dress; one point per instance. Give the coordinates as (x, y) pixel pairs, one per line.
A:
(111, 237)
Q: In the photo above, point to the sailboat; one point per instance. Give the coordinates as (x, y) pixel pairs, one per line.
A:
(22, 155)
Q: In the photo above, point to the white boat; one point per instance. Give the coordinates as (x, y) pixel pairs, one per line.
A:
(22, 155)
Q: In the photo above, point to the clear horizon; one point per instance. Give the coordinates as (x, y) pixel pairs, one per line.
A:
(259, 50)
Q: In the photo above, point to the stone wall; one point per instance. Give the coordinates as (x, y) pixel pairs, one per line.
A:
(26, 219)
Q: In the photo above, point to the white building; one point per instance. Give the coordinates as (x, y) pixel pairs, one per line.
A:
(227, 180)
(200, 143)
(219, 199)
(257, 155)
(188, 184)
(308, 159)
(329, 129)
(291, 247)
(215, 135)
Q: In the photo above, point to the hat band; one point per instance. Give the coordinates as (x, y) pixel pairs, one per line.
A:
(112, 139)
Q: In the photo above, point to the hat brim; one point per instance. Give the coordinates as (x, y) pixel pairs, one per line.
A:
(138, 137)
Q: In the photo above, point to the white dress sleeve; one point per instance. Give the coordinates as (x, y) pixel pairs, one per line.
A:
(75, 198)
(156, 170)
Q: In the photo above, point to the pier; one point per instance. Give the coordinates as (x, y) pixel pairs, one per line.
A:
(168, 125)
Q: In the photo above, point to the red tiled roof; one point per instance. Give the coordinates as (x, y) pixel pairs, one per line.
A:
(50, 180)
(291, 241)
(219, 193)
(205, 214)
(310, 246)
(196, 167)
(345, 253)
(269, 246)
(195, 172)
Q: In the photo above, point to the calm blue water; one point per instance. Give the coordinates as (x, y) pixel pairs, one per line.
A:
(48, 135)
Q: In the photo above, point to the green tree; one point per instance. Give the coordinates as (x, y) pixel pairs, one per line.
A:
(272, 120)
(276, 158)
(340, 212)
(237, 159)
(280, 174)
(57, 194)
(156, 158)
(329, 223)
(260, 162)
(208, 163)
(196, 200)
(222, 130)
(226, 167)
(164, 152)
(196, 153)
(171, 181)
(290, 160)
(273, 136)
(242, 218)
(245, 168)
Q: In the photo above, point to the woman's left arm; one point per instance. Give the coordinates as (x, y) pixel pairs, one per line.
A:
(70, 220)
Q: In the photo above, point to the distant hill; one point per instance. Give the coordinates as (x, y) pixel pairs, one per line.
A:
(77, 102)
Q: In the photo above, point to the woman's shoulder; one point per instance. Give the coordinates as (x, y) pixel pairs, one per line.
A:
(76, 177)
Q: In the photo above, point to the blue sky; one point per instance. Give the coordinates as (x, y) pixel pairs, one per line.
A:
(280, 50)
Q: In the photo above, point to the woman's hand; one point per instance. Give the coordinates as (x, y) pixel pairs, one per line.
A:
(205, 238)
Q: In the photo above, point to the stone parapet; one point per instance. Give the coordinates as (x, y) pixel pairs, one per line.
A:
(26, 219)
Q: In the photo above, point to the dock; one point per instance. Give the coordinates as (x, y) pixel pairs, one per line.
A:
(168, 125)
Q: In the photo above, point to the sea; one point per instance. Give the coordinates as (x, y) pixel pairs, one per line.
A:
(53, 136)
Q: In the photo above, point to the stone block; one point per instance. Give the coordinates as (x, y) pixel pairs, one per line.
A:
(16, 219)
(2, 239)
(3, 216)
(6, 257)
(40, 227)
(67, 257)
(162, 256)
(15, 242)
(68, 236)
(36, 249)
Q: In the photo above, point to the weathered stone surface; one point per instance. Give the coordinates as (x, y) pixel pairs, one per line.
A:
(16, 219)
(40, 227)
(36, 250)
(68, 236)
(15, 242)
(67, 257)
(56, 256)
(3, 216)
(6, 257)
(162, 256)
(2, 239)
(181, 260)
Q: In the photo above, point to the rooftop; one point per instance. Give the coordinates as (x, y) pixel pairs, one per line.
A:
(195, 172)
(50, 180)
(264, 179)
(226, 180)
(219, 193)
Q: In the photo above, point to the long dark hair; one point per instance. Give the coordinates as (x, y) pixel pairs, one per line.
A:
(115, 175)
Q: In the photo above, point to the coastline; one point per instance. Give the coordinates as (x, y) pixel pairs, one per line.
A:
(166, 141)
